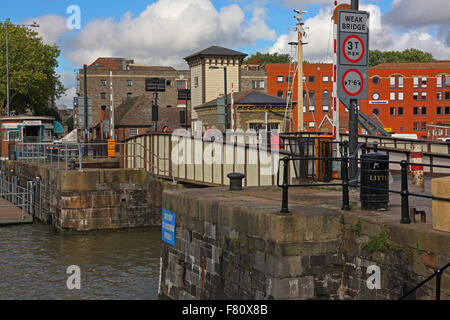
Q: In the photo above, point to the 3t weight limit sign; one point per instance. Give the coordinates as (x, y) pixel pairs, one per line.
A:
(353, 48)
(352, 82)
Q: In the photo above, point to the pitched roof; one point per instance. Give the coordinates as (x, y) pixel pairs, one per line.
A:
(247, 97)
(217, 51)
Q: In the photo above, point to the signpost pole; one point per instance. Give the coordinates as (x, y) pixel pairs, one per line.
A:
(86, 109)
(353, 122)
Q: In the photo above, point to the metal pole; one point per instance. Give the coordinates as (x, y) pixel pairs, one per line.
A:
(300, 126)
(438, 283)
(345, 183)
(7, 67)
(404, 193)
(227, 113)
(353, 121)
(284, 203)
(86, 107)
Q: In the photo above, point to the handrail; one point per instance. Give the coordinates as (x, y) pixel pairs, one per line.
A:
(438, 274)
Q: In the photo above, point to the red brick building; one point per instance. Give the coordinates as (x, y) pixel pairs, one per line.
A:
(405, 97)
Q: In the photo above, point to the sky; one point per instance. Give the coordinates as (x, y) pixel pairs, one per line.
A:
(163, 32)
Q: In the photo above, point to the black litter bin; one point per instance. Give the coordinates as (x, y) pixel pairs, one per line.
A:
(374, 174)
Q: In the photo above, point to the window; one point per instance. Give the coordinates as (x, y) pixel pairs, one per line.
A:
(438, 95)
(326, 101)
(103, 95)
(10, 135)
(195, 82)
(312, 99)
(400, 111)
(311, 78)
(416, 96)
(447, 81)
(392, 111)
(375, 80)
(392, 82)
(47, 135)
(257, 84)
(416, 110)
(288, 78)
(280, 79)
(325, 79)
(424, 96)
(375, 111)
(129, 95)
(424, 110)
(132, 132)
(447, 95)
(312, 124)
(415, 82)
(280, 93)
(129, 83)
(424, 126)
(416, 126)
(289, 94)
(103, 83)
(181, 84)
(400, 82)
(439, 82)
(424, 82)
(400, 96)
(169, 83)
(392, 96)
(447, 110)
(438, 110)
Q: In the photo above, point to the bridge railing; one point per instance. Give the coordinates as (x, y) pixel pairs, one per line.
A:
(16, 195)
(196, 160)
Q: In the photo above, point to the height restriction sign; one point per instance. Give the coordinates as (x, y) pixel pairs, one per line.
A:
(353, 55)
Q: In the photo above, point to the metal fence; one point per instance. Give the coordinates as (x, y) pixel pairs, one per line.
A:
(16, 195)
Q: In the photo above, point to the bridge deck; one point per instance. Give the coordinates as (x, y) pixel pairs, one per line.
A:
(11, 215)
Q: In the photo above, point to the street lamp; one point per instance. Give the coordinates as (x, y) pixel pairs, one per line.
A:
(7, 22)
(225, 89)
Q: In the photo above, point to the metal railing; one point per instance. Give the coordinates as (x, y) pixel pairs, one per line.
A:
(16, 195)
(346, 183)
(438, 274)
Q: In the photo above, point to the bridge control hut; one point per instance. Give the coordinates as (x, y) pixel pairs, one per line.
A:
(251, 107)
(26, 129)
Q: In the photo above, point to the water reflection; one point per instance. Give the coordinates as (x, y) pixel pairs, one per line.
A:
(114, 264)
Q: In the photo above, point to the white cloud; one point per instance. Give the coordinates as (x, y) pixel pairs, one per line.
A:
(168, 30)
(67, 99)
(51, 27)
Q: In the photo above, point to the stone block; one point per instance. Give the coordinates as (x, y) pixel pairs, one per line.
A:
(291, 288)
(441, 209)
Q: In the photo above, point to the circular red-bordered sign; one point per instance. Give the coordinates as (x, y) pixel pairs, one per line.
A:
(343, 82)
(362, 47)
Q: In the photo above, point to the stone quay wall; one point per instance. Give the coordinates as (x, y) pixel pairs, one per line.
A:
(232, 245)
(93, 199)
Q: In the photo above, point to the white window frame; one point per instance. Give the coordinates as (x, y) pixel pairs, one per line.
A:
(392, 82)
(439, 82)
(400, 96)
(311, 124)
(400, 82)
(326, 79)
(134, 134)
(392, 96)
(280, 78)
(415, 82)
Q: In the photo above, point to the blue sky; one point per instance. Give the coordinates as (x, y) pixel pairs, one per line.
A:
(162, 32)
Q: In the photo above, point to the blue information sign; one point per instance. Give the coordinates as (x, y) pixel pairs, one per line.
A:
(168, 227)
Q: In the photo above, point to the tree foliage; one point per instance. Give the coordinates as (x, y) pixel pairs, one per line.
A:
(265, 58)
(70, 123)
(33, 79)
(377, 57)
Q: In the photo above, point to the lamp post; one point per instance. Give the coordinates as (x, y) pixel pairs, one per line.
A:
(7, 22)
(225, 91)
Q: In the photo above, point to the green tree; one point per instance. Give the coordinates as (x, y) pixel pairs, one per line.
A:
(33, 79)
(69, 123)
(265, 58)
(377, 57)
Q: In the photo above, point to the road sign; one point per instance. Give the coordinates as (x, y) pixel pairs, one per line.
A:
(353, 55)
(221, 111)
(184, 94)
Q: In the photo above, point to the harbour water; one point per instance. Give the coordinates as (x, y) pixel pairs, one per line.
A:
(114, 264)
